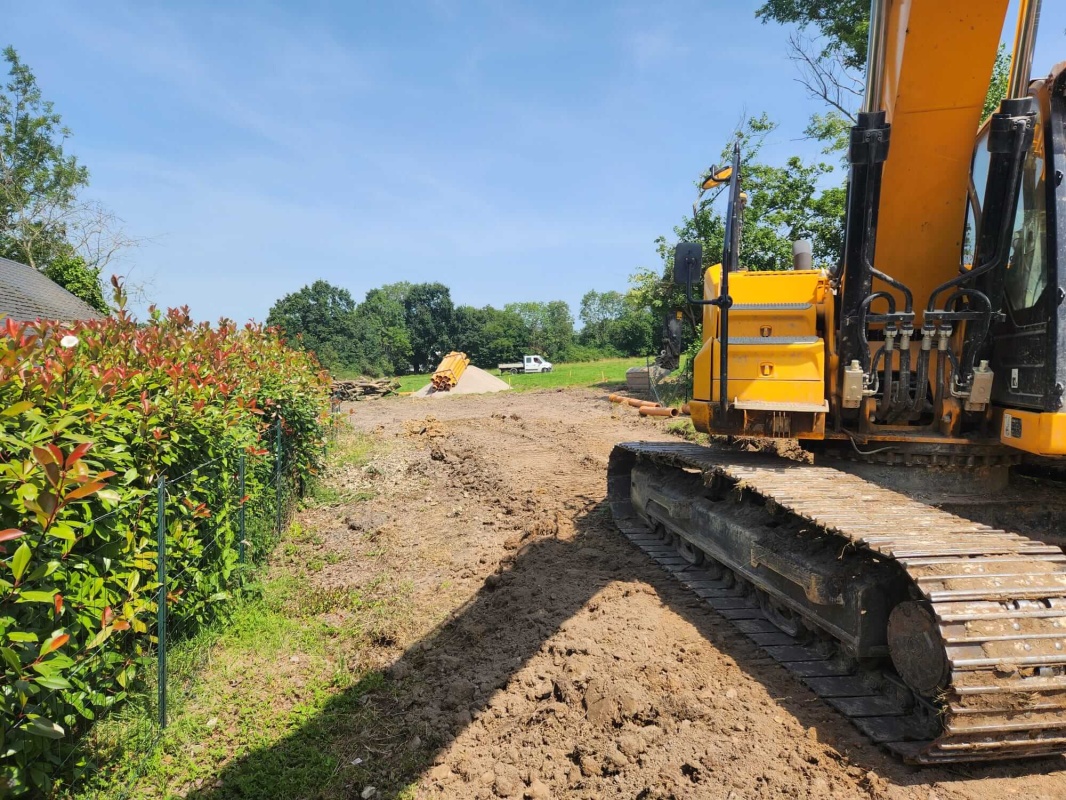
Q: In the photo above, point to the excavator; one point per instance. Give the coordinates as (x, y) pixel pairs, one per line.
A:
(927, 367)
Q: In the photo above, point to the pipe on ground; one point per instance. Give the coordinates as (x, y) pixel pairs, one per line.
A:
(650, 411)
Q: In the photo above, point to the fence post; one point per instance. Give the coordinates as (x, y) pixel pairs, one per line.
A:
(277, 473)
(240, 509)
(161, 613)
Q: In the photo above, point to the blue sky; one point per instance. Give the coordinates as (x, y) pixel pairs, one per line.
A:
(513, 151)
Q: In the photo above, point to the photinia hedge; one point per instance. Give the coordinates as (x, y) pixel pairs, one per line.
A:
(91, 415)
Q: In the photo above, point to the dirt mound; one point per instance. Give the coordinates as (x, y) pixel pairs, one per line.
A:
(472, 381)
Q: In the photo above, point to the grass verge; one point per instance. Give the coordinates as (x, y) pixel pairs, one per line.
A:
(607, 373)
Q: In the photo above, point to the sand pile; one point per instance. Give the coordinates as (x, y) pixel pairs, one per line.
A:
(472, 381)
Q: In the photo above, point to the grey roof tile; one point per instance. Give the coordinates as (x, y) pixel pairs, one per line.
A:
(27, 295)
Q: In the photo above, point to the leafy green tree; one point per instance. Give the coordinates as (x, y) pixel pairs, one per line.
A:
(633, 332)
(71, 272)
(44, 221)
(559, 328)
(488, 335)
(784, 204)
(430, 318)
(997, 87)
(37, 178)
(598, 311)
(322, 318)
(845, 24)
(549, 326)
(618, 324)
(382, 312)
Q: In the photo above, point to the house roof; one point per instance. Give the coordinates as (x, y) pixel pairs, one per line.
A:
(27, 295)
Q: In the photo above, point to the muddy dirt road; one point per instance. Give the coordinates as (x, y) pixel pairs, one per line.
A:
(547, 657)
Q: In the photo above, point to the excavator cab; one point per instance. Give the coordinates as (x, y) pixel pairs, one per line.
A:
(1028, 353)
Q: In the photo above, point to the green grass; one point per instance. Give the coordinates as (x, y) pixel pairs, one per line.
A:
(607, 373)
(276, 666)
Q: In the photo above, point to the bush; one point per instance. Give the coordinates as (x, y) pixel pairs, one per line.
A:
(575, 353)
(91, 415)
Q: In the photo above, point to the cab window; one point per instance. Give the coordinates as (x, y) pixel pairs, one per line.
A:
(1027, 269)
(978, 179)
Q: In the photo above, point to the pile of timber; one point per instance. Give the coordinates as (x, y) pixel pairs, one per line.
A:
(363, 388)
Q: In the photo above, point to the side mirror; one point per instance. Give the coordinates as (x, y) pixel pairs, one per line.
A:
(716, 177)
(688, 263)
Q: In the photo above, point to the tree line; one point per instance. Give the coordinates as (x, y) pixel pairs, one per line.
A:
(407, 327)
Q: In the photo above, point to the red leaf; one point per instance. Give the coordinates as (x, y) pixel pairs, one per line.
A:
(54, 644)
(106, 617)
(57, 454)
(106, 474)
(85, 490)
(58, 601)
(43, 455)
(11, 533)
(121, 625)
(77, 453)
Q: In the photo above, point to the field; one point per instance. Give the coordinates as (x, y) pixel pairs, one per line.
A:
(454, 615)
(608, 373)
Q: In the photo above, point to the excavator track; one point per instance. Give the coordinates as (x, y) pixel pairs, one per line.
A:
(987, 604)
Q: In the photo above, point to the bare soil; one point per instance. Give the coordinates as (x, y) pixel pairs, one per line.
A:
(545, 657)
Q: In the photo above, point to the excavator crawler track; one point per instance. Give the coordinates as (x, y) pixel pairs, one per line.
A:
(988, 604)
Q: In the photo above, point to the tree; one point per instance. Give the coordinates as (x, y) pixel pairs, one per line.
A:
(997, 87)
(489, 335)
(71, 272)
(784, 204)
(43, 220)
(322, 318)
(549, 326)
(382, 312)
(845, 24)
(559, 328)
(598, 310)
(429, 316)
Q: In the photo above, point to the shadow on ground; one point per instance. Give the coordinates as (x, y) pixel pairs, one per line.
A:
(388, 731)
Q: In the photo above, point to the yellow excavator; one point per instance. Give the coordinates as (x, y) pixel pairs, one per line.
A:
(929, 366)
